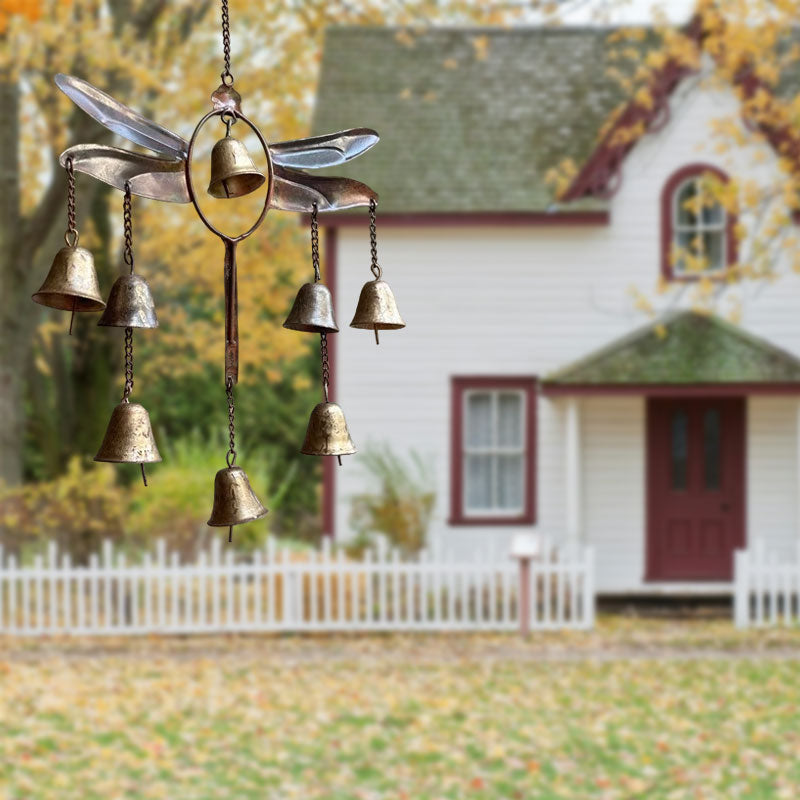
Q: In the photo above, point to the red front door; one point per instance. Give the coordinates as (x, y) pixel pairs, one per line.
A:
(695, 487)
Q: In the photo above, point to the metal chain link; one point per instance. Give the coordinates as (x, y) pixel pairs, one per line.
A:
(230, 457)
(226, 75)
(71, 236)
(326, 372)
(126, 393)
(373, 239)
(128, 224)
(315, 243)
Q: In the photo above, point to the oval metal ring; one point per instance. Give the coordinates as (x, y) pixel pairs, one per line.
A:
(190, 185)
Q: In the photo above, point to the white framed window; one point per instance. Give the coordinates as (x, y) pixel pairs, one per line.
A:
(702, 235)
(494, 451)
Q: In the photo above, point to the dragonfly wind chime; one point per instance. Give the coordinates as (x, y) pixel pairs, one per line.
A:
(72, 283)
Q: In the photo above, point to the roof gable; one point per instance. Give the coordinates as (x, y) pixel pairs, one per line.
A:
(461, 131)
(692, 348)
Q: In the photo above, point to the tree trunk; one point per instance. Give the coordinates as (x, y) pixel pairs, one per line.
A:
(12, 351)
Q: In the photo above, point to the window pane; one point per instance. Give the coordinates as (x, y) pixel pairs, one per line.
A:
(712, 446)
(680, 449)
(478, 424)
(713, 213)
(686, 195)
(509, 420)
(714, 249)
(478, 482)
(510, 472)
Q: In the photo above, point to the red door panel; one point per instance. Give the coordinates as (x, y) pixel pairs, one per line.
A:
(695, 487)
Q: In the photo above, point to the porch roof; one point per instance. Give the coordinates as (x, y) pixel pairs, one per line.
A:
(683, 351)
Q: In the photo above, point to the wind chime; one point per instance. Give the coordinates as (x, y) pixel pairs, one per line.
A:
(72, 283)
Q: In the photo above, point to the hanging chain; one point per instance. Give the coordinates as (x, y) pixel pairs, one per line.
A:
(373, 239)
(71, 235)
(227, 75)
(315, 243)
(326, 372)
(128, 223)
(230, 457)
(126, 393)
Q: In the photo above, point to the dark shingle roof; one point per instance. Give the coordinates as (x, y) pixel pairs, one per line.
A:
(459, 132)
(693, 348)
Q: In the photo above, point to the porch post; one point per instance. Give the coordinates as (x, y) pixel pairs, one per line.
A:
(796, 480)
(573, 472)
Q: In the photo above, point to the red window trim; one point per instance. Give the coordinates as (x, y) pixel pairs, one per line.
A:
(689, 171)
(459, 385)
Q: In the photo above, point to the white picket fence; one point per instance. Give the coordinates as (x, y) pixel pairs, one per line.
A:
(766, 587)
(276, 590)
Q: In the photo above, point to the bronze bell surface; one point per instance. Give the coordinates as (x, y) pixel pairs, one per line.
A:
(235, 502)
(233, 173)
(377, 309)
(312, 310)
(130, 304)
(327, 433)
(71, 284)
(129, 437)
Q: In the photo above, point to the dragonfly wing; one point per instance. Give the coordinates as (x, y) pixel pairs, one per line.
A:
(324, 151)
(119, 118)
(156, 178)
(297, 191)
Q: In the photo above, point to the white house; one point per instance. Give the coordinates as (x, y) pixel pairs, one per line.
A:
(543, 400)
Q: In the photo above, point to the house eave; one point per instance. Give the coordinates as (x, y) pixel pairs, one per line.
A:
(733, 389)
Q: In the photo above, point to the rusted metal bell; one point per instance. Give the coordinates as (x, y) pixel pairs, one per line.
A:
(71, 284)
(312, 310)
(327, 433)
(129, 437)
(130, 304)
(377, 309)
(235, 502)
(233, 173)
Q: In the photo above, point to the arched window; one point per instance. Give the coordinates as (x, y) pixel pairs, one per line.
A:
(697, 232)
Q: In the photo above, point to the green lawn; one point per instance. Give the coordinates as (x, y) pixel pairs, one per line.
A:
(634, 710)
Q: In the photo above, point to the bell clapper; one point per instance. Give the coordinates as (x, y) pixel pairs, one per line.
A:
(72, 315)
(230, 533)
(144, 474)
(339, 459)
(377, 340)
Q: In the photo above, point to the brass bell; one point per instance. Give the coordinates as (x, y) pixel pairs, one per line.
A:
(312, 310)
(233, 173)
(129, 438)
(235, 502)
(377, 309)
(71, 284)
(130, 304)
(327, 433)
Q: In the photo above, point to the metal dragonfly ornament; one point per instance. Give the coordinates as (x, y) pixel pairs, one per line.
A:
(167, 176)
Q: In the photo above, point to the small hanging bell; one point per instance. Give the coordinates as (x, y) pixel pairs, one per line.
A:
(327, 433)
(312, 310)
(233, 173)
(71, 284)
(235, 502)
(130, 304)
(129, 437)
(377, 309)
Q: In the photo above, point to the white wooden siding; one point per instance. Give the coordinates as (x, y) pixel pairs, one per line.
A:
(527, 300)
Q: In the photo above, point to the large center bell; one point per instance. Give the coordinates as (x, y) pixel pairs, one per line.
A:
(327, 433)
(71, 284)
(312, 310)
(129, 437)
(130, 304)
(233, 173)
(235, 502)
